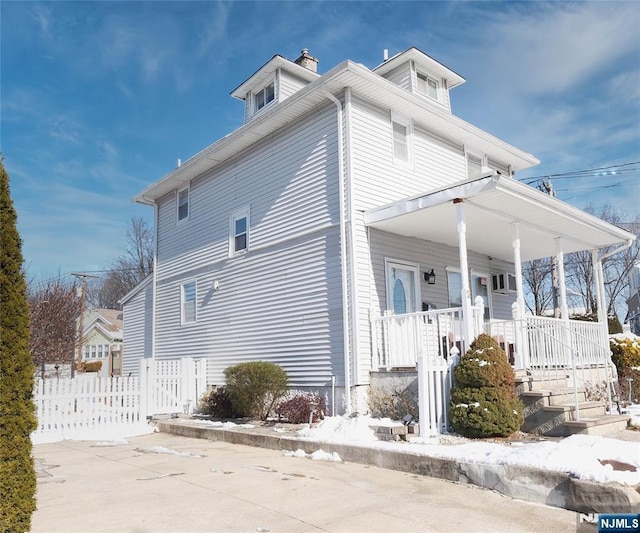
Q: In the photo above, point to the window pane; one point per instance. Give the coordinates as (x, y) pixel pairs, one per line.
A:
(400, 148)
(183, 204)
(422, 83)
(399, 297)
(241, 225)
(240, 242)
(259, 100)
(432, 88)
(269, 94)
(189, 302)
(455, 289)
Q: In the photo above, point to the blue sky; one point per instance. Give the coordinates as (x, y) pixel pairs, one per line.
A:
(100, 99)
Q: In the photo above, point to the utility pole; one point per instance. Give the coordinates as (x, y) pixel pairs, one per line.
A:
(547, 187)
(83, 300)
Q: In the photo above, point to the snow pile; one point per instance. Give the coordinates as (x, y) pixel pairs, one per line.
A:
(634, 411)
(217, 424)
(107, 433)
(109, 443)
(583, 456)
(162, 449)
(341, 430)
(318, 455)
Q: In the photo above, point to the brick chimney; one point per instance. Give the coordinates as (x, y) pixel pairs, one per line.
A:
(307, 61)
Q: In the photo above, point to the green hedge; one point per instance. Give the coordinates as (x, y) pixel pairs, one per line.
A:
(254, 388)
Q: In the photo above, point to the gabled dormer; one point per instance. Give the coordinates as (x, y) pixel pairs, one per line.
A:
(274, 82)
(422, 75)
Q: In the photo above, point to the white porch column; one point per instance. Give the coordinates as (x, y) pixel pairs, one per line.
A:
(564, 307)
(467, 313)
(522, 348)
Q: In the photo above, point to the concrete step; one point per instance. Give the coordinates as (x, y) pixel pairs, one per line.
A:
(554, 397)
(530, 383)
(586, 409)
(601, 425)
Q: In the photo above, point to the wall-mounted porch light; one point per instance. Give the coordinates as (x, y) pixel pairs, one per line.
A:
(430, 277)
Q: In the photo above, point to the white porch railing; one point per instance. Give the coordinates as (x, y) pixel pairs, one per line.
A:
(398, 340)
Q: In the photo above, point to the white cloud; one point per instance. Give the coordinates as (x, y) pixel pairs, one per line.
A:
(555, 47)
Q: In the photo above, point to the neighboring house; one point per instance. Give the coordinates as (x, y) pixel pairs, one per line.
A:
(633, 302)
(102, 339)
(349, 225)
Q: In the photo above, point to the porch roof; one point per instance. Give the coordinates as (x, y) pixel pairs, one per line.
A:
(491, 205)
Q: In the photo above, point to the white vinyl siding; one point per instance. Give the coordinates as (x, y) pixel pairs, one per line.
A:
(289, 85)
(281, 300)
(401, 76)
(282, 305)
(437, 162)
(290, 181)
(137, 329)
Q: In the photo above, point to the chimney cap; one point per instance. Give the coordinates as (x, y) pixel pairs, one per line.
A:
(307, 61)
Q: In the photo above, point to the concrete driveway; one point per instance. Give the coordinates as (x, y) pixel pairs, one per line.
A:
(218, 487)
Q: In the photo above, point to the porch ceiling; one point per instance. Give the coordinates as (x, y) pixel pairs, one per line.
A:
(491, 205)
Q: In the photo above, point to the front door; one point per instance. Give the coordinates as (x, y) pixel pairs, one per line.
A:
(402, 287)
(403, 333)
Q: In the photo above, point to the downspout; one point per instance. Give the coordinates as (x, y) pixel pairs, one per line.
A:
(154, 291)
(352, 239)
(343, 253)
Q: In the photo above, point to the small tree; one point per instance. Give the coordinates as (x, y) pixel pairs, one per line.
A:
(254, 388)
(483, 400)
(17, 416)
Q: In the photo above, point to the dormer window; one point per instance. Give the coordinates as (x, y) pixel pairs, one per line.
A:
(263, 97)
(427, 85)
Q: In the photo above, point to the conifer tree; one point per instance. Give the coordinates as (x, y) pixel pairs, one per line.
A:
(17, 410)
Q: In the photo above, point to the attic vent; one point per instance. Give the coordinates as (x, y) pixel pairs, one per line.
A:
(307, 61)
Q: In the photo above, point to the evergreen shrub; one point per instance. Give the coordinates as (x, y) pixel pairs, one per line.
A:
(302, 407)
(17, 374)
(483, 400)
(255, 388)
(625, 354)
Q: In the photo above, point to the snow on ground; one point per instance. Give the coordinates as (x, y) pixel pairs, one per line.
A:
(579, 455)
(162, 449)
(318, 455)
(634, 411)
(108, 433)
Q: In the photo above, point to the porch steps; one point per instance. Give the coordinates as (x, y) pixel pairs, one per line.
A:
(551, 410)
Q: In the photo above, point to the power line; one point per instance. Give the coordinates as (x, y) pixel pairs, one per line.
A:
(590, 172)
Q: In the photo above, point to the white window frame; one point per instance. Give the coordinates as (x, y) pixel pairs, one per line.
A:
(178, 205)
(183, 318)
(263, 93)
(408, 125)
(427, 79)
(453, 270)
(237, 215)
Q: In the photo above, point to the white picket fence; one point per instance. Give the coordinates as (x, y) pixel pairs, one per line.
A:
(73, 408)
(88, 405)
(435, 381)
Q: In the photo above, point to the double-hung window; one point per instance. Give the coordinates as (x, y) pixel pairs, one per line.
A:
(401, 130)
(427, 85)
(188, 291)
(263, 97)
(183, 204)
(239, 232)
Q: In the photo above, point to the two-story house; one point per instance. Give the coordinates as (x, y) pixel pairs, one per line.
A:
(349, 225)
